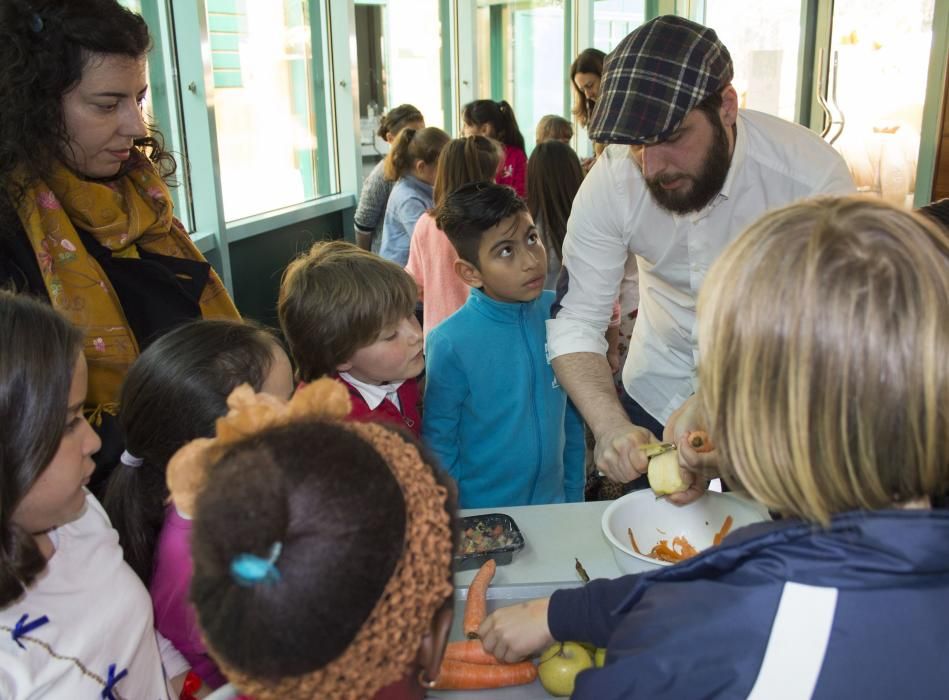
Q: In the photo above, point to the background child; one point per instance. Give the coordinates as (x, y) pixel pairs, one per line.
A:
(312, 586)
(376, 189)
(172, 394)
(75, 620)
(411, 165)
(823, 380)
(494, 414)
(553, 179)
(552, 127)
(350, 314)
(497, 120)
(431, 255)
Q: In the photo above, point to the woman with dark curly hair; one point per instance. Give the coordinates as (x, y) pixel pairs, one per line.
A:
(86, 217)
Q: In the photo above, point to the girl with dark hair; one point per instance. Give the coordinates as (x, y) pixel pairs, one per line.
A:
(496, 120)
(86, 218)
(77, 622)
(376, 189)
(411, 166)
(553, 179)
(585, 74)
(173, 394)
(431, 255)
(311, 586)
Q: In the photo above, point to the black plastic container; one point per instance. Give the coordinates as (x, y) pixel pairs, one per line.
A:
(501, 555)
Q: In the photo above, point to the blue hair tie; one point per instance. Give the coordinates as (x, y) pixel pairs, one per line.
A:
(36, 23)
(249, 569)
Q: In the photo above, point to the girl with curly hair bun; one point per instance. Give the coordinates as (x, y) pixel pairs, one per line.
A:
(86, 218)
(311, 586)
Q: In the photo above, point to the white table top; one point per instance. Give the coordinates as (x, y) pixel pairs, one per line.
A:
(554, 536)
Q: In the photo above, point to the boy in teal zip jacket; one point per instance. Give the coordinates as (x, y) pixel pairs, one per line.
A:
(493, 412)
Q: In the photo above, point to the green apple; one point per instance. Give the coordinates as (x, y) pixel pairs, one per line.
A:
(559, 665)
(599, 657)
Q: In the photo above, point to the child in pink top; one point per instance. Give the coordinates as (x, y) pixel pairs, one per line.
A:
(431, 256)
(497, 120)
(174, 393)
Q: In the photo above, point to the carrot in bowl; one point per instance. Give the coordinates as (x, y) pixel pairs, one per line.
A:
(458, 675)
(476, 607)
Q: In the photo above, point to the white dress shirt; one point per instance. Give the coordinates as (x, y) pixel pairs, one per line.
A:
(774, 164)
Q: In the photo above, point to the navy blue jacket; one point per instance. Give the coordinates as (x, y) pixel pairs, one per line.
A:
(871, 618)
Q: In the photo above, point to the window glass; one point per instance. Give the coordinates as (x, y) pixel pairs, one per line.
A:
(400, 58)
(160, 106)
(520, 49)
(764, 42)
(266, 106)
(878, 64)
(614, 19)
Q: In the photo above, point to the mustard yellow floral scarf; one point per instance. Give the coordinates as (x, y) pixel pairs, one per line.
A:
(130, 213)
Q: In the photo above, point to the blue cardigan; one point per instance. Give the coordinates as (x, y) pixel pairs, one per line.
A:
(409, 199)
(863, 609)
(494, 413)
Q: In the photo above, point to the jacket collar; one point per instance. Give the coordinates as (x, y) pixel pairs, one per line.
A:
(414, 183)
(502, 311)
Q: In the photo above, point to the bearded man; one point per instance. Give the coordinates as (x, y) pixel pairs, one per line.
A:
(686, 172)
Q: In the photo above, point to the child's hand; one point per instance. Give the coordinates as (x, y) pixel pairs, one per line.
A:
(517, 631)
(617, 453)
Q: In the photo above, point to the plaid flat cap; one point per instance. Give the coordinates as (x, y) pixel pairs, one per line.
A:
(654, 77)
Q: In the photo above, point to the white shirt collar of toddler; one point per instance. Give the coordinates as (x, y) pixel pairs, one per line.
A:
(375, 394)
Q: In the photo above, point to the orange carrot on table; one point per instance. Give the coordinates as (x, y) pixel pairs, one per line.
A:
(720, 535)
(458, 675)
(476, 607)
(470, 651)
(699, 441)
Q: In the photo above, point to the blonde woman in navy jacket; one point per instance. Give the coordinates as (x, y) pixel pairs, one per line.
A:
(823, 379)
(493, 412)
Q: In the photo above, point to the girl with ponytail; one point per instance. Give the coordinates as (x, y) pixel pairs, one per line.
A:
(496, 120)
(432, 256)
(411, 166)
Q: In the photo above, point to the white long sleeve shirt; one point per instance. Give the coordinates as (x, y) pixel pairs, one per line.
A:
(98, 615)
(774, 163)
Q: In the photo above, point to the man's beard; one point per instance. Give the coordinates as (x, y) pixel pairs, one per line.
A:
(705, 185)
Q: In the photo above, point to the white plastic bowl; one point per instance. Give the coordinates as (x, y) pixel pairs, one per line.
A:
(652, 519)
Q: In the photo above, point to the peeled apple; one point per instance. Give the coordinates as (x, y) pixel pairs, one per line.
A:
(664, 475)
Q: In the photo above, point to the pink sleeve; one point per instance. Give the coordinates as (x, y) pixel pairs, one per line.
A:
(617, 313)
(414, 266)
(519, 176)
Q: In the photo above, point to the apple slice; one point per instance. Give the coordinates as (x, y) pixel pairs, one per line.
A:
(664, 475)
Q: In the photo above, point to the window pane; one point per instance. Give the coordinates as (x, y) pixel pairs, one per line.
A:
(520, 49)
(882, 51)
(396, 66)
(160, 106)
(614, 19)
(265, 108)
(764, 42)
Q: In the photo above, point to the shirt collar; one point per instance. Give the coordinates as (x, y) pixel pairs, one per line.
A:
(738, 157)
(373, 394)
(504, 311)
(418, 185)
